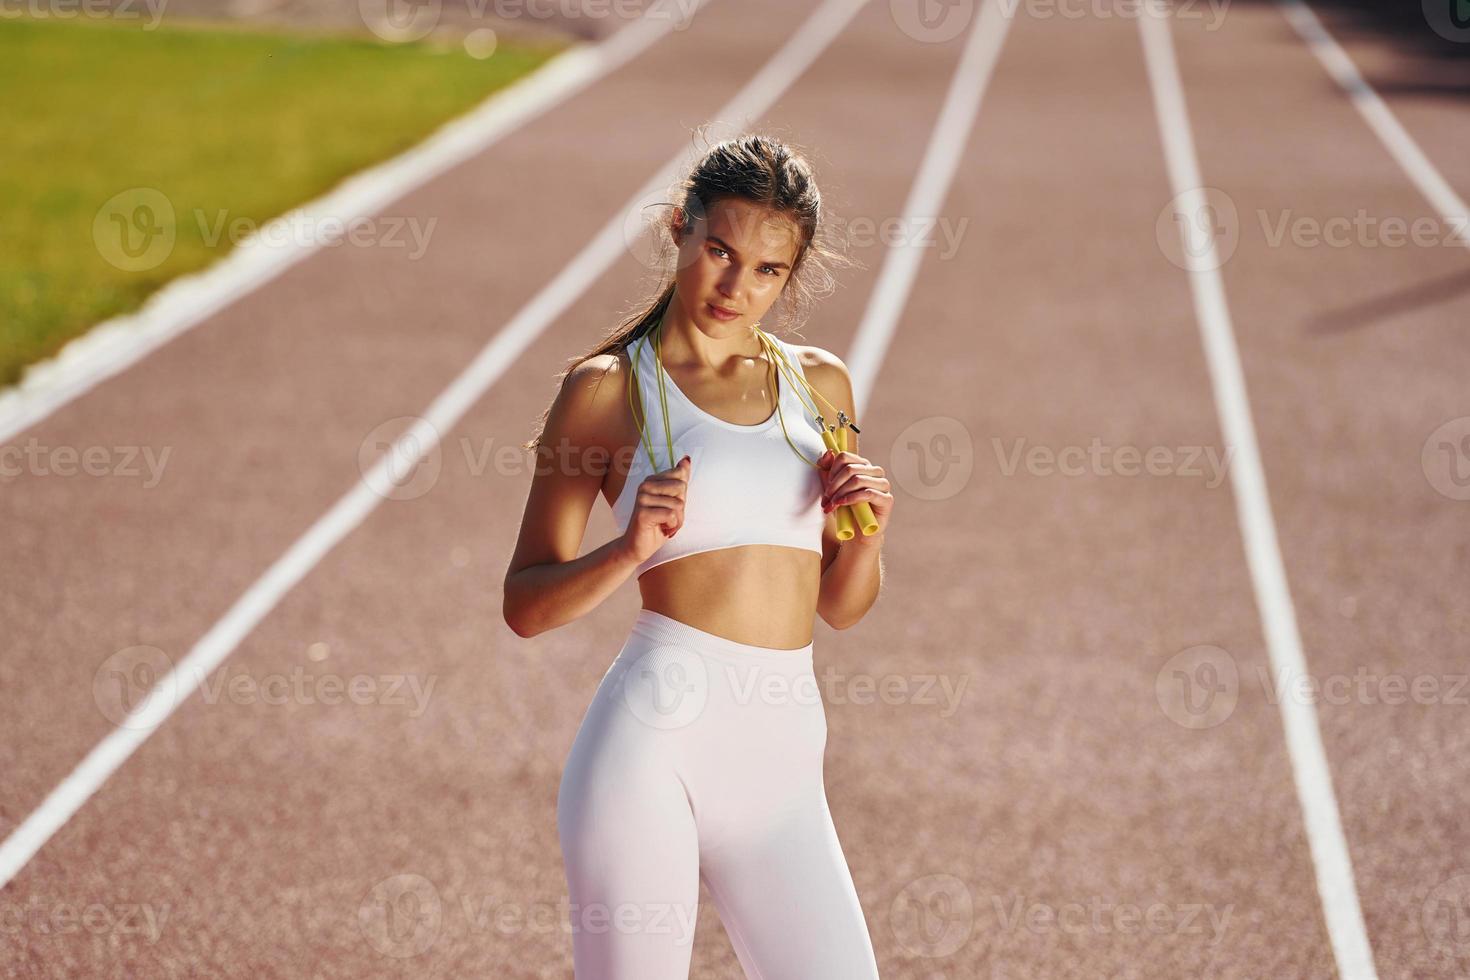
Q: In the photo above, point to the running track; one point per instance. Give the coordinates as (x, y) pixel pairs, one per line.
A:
(1005, 834)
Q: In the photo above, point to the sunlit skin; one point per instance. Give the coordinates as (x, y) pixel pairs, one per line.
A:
(739, 258)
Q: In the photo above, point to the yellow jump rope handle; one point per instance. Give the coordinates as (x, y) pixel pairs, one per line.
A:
(846, 527)
(860, 510)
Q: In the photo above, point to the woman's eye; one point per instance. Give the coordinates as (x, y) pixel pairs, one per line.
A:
(721, 253)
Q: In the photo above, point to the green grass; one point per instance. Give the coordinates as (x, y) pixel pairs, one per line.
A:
(214, 120)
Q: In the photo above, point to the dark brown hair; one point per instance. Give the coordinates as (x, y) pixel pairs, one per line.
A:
(765, 171)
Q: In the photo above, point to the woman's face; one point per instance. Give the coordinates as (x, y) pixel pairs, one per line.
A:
(737, 258)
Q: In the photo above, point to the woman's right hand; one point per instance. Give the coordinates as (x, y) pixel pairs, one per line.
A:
(658, 510)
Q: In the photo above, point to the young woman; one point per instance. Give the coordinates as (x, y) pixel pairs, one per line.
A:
(700, 756)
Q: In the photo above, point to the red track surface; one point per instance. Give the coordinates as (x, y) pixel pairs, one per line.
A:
(257, 832)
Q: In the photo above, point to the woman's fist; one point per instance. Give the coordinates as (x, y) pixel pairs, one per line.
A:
(848, 478)
(658, 510)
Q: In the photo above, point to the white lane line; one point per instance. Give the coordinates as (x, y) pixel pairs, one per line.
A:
(116, 344)
(1400, 145)
(941, 159)
(754, 99)
(1336, 887)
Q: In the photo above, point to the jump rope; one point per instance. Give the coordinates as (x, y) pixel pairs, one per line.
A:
(849, 517)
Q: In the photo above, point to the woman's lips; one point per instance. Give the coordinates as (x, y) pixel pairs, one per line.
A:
(720, 313)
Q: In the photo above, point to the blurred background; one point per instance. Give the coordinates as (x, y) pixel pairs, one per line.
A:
(1157, 325)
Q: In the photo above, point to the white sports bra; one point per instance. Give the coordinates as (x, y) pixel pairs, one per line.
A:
(746, 484)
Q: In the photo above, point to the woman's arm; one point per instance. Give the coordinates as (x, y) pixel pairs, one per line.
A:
(852, 571)
(851, 584)
(546, 584)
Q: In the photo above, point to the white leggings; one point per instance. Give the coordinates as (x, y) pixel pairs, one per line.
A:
(701, 758)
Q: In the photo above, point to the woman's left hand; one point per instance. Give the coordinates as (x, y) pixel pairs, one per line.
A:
(849, 479)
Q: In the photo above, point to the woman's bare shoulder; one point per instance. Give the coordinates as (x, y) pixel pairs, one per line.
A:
(594, 398)
(827, 373)
(815, 357)
(821, 365)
